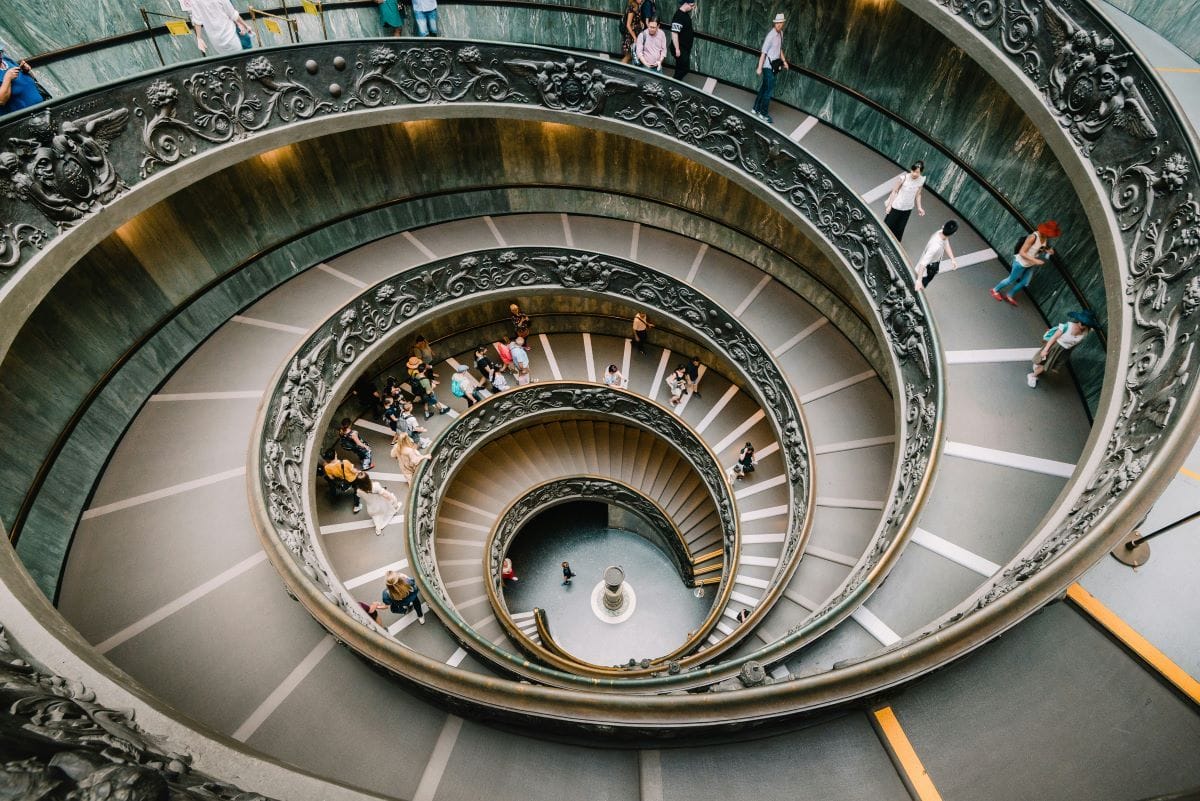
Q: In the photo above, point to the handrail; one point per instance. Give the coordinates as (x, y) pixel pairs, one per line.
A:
(941, 147)
(593, 402)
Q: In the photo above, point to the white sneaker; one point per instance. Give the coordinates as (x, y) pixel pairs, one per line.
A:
(1031, 379)
(421, 620)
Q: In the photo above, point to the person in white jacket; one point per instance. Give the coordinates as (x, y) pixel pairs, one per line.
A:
(217, 26)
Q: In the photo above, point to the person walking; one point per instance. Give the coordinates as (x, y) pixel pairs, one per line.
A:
(463, 385)
(405, 452)
(631, 25)
(770, 61)
(905, 194)
(1060, 344)
(487, 368)
(504, 351)
(641, 326)
(391, 17)
(520, 321)
(401, 595)
(351, 440)
(381, 504)
(422, 384)
(677, 382)
(340, 475)
(520, 358)
(1032, 252)
(682, 34)
(217, 26)
(568, 573)
(426, 18)
(693, 376)
(936, 248)
(651, 47)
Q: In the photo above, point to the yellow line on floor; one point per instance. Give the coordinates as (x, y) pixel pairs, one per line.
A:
(1192, 474)
(1177, 69)
(911, 764)
(1134, 641)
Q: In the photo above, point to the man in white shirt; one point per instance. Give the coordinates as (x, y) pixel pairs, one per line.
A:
(651, 46)
(217, 26)
(771, 56)
(931, 258)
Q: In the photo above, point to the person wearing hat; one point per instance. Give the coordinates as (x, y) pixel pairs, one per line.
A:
(1060, 342)
(463, 385)
(18, 88)
(770, 56)
(422, 383)
(1032, 252)
(682, 34)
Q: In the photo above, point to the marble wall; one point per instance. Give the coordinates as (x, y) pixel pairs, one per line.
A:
(179, 253)
(1177, 21)
(879, 50)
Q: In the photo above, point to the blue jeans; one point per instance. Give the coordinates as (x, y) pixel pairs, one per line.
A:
(763, 101)
(1017, 280)
(426, 22)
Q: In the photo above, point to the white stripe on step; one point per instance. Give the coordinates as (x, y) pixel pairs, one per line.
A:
(871, 195)
(854, 444)
(754, 293)
(716, 410)
(587, 356)
(374, 575)
(837, 386)
(993, 356)
(495, 231)
(349, 279)
(419, 245)
(1033, 464)
(955, 553)
(290, 329)
(803, 128)
(695, 268)
(874, 626)
(273, 701)
(800, 337)
(658, 375)
(566, 224)
(734, 436)
(550, 360)
(758, 486)
(165, 492)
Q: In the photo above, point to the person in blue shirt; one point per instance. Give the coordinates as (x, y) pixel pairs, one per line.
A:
(18, 89)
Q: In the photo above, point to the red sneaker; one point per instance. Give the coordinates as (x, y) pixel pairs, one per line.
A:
(1010, 301)
(996, 295)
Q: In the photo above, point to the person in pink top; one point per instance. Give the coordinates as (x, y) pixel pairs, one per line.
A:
(652, 46)
(506, 359)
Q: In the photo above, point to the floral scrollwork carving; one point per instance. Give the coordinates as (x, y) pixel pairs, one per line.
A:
(15, 237)
(570, 85)
(427, 75)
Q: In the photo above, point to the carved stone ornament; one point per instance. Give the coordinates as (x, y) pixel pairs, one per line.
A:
(1114, 109)
(60, 744)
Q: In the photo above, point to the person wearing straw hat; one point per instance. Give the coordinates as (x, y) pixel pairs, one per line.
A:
(1032, 252)
(1060, 343)
(770, 56)
(421, 383)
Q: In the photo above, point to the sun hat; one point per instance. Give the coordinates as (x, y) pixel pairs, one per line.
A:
(1049, 229)
(413, 362)
(779, 18)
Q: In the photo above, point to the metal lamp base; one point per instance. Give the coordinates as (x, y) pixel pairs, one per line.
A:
(1136, 556)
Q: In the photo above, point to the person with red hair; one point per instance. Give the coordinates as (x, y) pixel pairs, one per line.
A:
(1032, 252)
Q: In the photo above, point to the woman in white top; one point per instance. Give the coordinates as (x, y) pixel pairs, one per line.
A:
(613, 377)
(217, 25)
(905, 194)
(381, 504)
(1060, 342)
(936, 248)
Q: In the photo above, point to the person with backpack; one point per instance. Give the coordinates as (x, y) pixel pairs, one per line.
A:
(422, 383)
(1031, 251)
(632, 24)
(1060, 344)
(677, 382)
(463, 385)
(652, 46)
(745, 462)
(351, 440)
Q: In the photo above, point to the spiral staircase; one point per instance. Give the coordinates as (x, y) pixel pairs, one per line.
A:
(906, 511)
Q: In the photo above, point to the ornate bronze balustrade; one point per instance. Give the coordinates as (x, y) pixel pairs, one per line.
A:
(519, 408)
